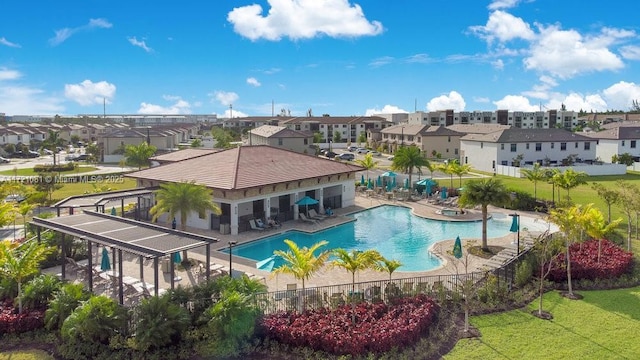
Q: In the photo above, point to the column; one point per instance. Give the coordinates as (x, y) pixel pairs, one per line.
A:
(320, 198)
(234, 219)
(267, 207)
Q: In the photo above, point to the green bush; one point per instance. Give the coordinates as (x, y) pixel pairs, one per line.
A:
(160, 323)
(39, 291)
(64, 302)
(95, 321)
(524, 273)
(47, 168)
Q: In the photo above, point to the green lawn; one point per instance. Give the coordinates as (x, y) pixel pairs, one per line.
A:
(80, 188)
(26, 355)
(30, 172)
(601, 326)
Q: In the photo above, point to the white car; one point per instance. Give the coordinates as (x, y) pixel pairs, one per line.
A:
(390, 157)
(362, 151)
(374, 153)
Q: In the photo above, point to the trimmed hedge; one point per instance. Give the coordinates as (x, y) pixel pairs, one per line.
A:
(614, 262)
(54, 168)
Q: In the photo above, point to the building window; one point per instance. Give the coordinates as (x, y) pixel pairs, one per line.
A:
(576, 145)
(563, 146)
(481, 145)
(280, 141)
(527, 146)
(505, 162)
(552, 145)
(514, 147)
(306, 141)
(587, 145)
(448, 138)
(633, 144)
(538, 146)
(622, 142)
(501, 146)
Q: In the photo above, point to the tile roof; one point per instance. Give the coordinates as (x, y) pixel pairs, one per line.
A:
(477, 128)
(270, 131)
(246, 167)
(332, 119)
(181, 155)
(516, 135)
(618, 133)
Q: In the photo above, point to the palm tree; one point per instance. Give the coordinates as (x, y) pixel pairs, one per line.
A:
(534, 175)
(484, 192)
(160, 323)
(52, 142)
(21, 262)
(183, 198)
(408, 158)
(597, 227)
(354, 261)
(138, 155)
(368, 163)
(388, 266)
(569, 221)
(459, 169)
(303, 262)
(447, 168)
(570, 179)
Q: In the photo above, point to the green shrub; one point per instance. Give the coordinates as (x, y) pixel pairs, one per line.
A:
(64, 302)
(95, 321)
(160, 323)
(39, 291)
(48, 168)
(524, 272)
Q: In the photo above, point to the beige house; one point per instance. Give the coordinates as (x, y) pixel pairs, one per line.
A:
(257, 182)
(433, 141)
(282, 137)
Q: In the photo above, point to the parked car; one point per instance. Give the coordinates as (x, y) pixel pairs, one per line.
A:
(14, 197)
(4, 160)
(48, 152)
(352, 148)
(375, 153)
(346, 156)
(362, 151)
(77, 157)
(390, 157)
(330, 154)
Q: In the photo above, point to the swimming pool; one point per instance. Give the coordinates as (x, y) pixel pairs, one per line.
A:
(392, 230)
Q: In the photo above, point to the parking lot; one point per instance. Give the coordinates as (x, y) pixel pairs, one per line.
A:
(382, 159)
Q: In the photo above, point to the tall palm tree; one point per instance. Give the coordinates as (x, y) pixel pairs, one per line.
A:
(183, 198)
(459, 170)
(570, 222)
(570, 179)
(484, 192)
(20, 262)
(303, 262)
(388, 266)
(52, 142)
(368, 163)
(447, 168)
(138, 155)
(354, 261)
(408, 158)
(534, 175)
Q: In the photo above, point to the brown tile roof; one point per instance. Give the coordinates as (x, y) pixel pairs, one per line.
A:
(517, 135)
(270, 131)
(183, 155)
(618, 133)
(477, 128)
(332, 119)
(246, 167)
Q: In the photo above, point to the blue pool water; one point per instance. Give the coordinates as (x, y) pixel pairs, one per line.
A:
(392, 230)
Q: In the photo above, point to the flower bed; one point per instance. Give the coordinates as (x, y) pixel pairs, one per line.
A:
(614, 262)
(378, 327)
(12, 322)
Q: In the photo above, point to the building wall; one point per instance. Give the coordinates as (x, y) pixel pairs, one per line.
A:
(481, 156)
(447, 146)
(550, 150)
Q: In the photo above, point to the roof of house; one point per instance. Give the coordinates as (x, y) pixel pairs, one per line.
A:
(184, 154)
(332, 119)
(618, 133)
(246, 167)
(517, 135)
(270, 131)
(477, 128)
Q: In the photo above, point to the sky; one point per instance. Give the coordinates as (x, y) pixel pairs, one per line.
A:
(336, 57)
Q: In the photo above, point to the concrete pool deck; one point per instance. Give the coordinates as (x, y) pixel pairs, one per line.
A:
(334, 276)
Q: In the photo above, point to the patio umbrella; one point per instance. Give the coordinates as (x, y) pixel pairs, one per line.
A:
(176, 257)
(113, 211)
(389, 187)
(266, 264)
(105, 264)
(393, 182)
(370, 184)
(514, 225)
(306, 201)
(379, 181)
(389, 174)
(457, 248)
(406, 183)
(443, 192)
(362, 180)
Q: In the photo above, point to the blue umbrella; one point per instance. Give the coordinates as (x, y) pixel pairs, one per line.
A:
(514, 224)
(105, 264)
(428, 188)
(443, 192)
(176, 257)
(379, 182)
(113, 211)
(393, 184)
(306, 201)
(362, 180)
(389, 174)
(370, 184)
(389, 186)
(406, 183)
(457, 248)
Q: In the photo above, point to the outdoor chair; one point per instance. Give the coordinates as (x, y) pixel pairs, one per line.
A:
(304, 218)
(260, 224)
(79, 270)
(253, 225)
(314, 215)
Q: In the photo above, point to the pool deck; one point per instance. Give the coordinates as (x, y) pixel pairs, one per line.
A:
(334, 276)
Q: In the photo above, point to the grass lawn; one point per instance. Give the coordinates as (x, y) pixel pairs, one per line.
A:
(601, 326)
(30, 172)
(26, 355)
(80, 188)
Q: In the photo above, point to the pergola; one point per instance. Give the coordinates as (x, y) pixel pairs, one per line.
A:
(98, 201)
(145, 240)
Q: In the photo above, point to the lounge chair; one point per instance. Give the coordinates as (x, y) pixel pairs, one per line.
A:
(260, 224)
(314, 215)
(253, 225)
(304, 218)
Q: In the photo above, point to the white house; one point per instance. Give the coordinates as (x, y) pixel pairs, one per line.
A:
(520, 147)
(617, 141)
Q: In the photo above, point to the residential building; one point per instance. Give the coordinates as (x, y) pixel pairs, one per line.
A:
(251, 182)
(616, 141)
(337, 130)
(519, 147)
(180, 155)
(282, 137)
(547, 119)
(433, 141)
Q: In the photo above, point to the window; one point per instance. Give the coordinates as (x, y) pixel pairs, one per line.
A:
(455, 151)
(563, 146)
(481, 145)
(576, 145)
(633, 144)
(622, 142)
(527, 146)
(552, 144)
(505, 162)
(280, 141)
(514, 147)
(448, 138)
(501, 146)
(587, 145)
(538, 146)
(306, 141)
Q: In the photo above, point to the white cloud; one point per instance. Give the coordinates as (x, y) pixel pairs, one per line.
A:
(630, 52)
(504, 27)
(419, 58)
(577, 102)
(515, 103)
(179, 107)
(226, 98)
(17, 99)
(235, 113)
(453, 101)
(8, 74)
(89, 93)
(387, 109)
(253, 82)
(381, 61)
(498, 64)
(619, 96)
(480, 99)
(65, 33)
(5, 42)
(139, 43)
(566, 53)
(302, 19)
(503, 4)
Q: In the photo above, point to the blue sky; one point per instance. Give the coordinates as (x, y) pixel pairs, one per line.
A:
(334, 57)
